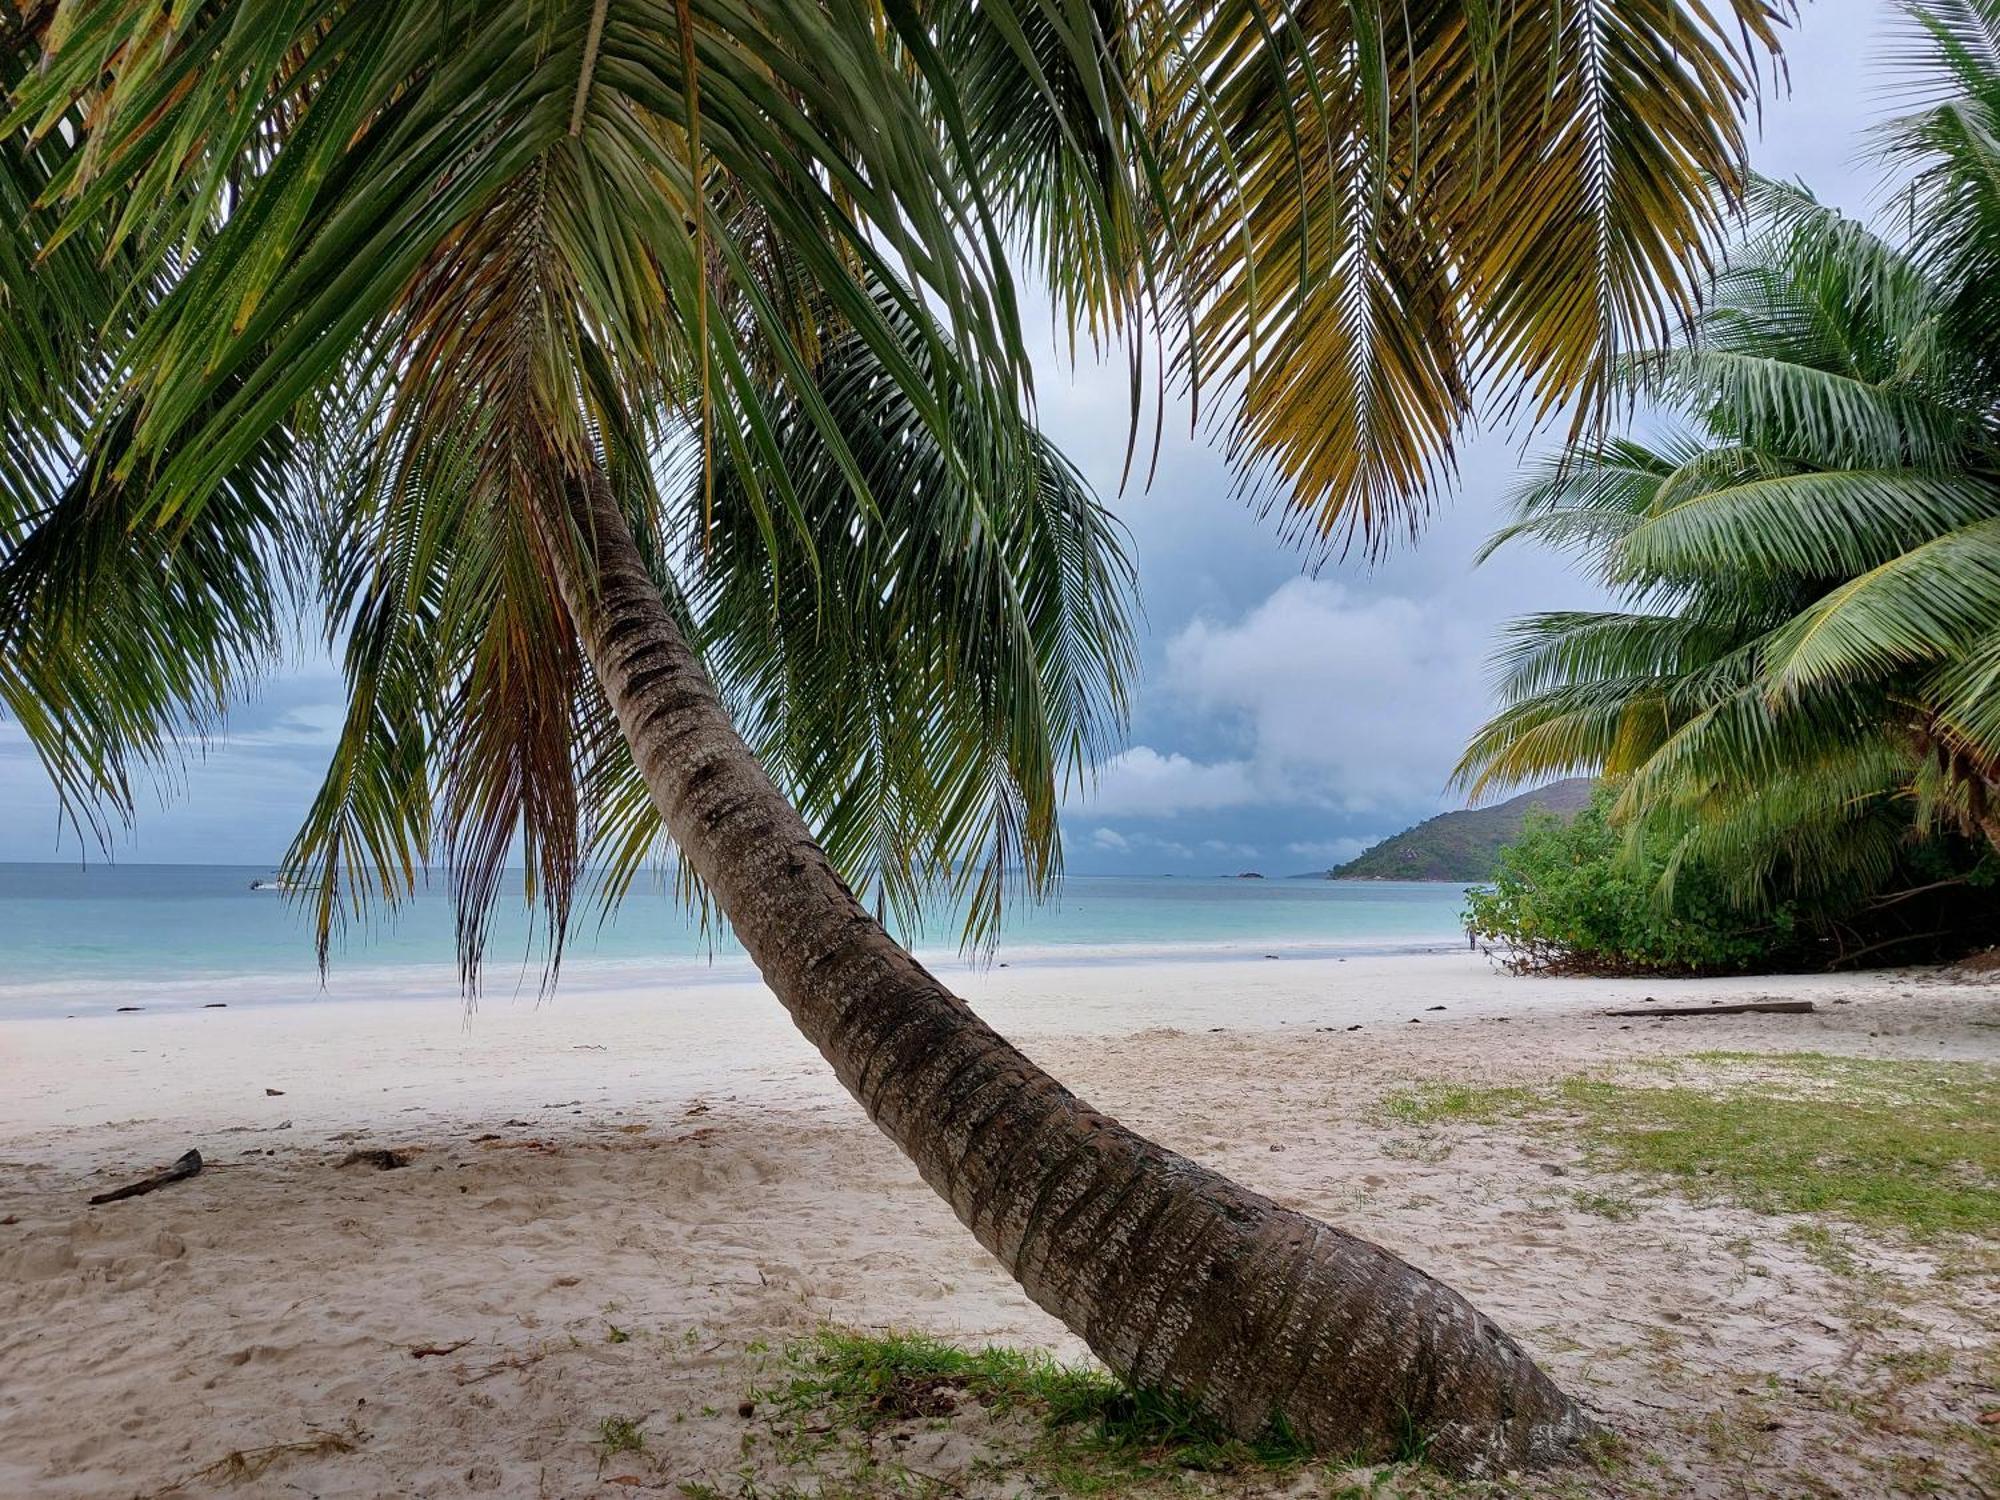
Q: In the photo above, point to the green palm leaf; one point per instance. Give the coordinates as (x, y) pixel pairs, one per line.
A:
(1923, 605)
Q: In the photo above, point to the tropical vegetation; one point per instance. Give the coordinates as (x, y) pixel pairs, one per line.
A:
(637, 391)
(1572, 895)
(1800, 693)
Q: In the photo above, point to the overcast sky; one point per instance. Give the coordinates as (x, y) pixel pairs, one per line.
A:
(1284, 721)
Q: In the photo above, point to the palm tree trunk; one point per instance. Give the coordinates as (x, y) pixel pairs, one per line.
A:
(1178, 1278)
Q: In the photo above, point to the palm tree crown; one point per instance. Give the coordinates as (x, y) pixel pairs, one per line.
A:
(1807, 665)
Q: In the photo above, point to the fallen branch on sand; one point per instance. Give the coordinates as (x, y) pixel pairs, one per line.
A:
(501, 1367)
(428, 1351)
(1760, 1007)
(249, 1463)
(180, 1171)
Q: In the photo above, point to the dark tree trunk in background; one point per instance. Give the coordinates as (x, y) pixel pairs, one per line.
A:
(1179, 1279)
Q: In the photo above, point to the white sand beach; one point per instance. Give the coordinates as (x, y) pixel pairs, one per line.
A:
(627, 1202)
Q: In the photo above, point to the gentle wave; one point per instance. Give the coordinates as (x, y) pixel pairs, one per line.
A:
(440, 981)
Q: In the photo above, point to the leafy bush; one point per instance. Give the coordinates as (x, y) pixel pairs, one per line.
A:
(1570, 896)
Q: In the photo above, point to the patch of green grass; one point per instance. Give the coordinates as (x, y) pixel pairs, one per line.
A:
(1803, 1064)
(847, 1403)
(1824, 1248)
(1093, 1435)
(617, 1435)
(1912, 1146)
(1426, 1146)
(1451, 1103)
(1904, 1145)
(1614, 1206)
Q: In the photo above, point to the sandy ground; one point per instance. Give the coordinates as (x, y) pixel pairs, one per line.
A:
(621, 1203)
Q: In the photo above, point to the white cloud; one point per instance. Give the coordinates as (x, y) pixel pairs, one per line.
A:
(1352, 702)
(1142, 783)
(1227, 846)
(1113, 841)
(1332, 699)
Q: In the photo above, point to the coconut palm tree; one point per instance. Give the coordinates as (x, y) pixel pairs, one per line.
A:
(638, 387)
(1807, 670)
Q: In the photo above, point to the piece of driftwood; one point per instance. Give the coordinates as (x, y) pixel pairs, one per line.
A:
(429, 1351)
(180, 1171)
(1760, 1007)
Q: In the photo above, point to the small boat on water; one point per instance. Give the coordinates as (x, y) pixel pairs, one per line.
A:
(275, 883)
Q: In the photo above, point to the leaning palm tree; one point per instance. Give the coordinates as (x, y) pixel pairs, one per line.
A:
(639, 387)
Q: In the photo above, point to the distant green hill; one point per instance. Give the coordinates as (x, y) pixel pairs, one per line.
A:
(1461, 845)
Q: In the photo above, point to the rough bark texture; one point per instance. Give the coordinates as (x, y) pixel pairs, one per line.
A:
(1178, 1278)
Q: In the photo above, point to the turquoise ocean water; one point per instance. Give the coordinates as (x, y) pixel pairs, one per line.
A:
(76, 940)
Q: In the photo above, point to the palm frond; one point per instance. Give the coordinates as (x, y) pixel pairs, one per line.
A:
(1816, 524)
(926, 674)
(1921, 605)
(1396, 210)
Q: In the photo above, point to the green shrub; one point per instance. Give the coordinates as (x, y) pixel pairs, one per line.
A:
(1569, 895)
